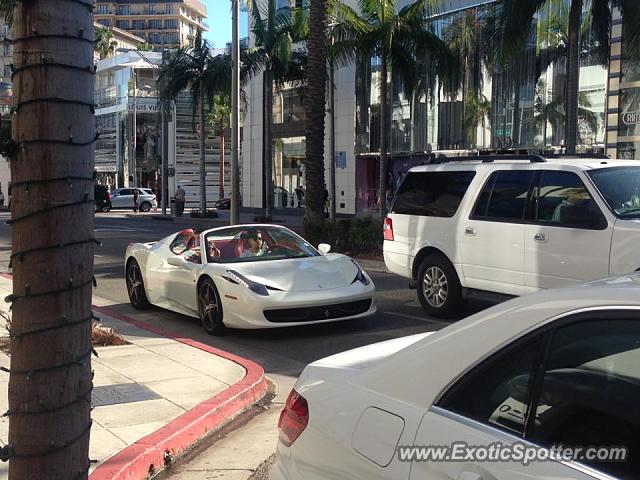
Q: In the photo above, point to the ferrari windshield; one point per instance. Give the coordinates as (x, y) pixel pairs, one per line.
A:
(620, 187)
(255, 244)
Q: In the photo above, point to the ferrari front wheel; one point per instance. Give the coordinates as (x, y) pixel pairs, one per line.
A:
(135, 286)
(210, 308)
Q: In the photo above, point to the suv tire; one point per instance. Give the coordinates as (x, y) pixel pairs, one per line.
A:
(439, 289)
(145, 207)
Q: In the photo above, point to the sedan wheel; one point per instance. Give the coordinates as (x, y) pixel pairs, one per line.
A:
(210, 308)
(135, 286)
(439, 289)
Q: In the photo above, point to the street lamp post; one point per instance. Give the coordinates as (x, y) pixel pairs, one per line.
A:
(135, 129)
(235, 114)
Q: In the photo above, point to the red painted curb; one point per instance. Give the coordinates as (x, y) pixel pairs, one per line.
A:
(177, 436)
(137, 460)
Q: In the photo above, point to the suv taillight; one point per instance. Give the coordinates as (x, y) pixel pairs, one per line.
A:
(387, 229)
(293, 419)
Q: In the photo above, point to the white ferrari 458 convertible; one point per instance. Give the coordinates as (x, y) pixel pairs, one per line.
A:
(250, 276)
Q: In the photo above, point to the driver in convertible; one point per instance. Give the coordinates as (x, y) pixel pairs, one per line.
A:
(257, 246)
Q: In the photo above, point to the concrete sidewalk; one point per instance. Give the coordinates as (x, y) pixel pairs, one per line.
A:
(171, 392)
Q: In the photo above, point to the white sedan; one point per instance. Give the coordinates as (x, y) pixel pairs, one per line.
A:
(250, 276)
(553, 370)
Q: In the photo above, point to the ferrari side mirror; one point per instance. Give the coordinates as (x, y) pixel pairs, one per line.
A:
(324, 248)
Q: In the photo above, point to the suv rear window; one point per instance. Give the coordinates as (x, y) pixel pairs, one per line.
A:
(504, 196)
(432, 194)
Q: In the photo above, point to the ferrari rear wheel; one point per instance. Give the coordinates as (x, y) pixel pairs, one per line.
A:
(135, 286)
(210, 307)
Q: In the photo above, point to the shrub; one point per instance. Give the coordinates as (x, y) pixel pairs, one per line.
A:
(347, 236)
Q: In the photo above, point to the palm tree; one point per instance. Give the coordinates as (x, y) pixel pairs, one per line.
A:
(104, 43)
(515, 25)
(399, 38)
(52, 216)
(196, 69)
(315, 107)
(219, 119)
(275, 32)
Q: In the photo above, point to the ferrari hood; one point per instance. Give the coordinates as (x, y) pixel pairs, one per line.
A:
(302, 274)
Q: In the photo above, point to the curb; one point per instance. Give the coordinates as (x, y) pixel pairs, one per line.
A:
(372, 265)
(145, 457)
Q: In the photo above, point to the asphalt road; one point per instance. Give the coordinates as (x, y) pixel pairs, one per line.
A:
(285, 350)
(283, 353)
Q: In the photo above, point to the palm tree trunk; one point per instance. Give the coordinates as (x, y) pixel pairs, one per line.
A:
(573, 74)
(221, 189)
(203, 166)
(316, 109)
(268, 145)
(50, 416)
(382, 200)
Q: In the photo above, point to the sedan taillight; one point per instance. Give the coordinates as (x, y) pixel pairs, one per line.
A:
(387, 229)
(293, 419)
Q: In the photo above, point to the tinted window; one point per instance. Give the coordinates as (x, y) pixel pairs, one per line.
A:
(590, 395)
(620, 187)
(125, 191)
(497, 392)
(504, 196)
(563, 200)
(432, 194)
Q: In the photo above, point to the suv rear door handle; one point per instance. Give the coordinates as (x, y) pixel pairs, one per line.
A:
(540, 237)
(469, 231)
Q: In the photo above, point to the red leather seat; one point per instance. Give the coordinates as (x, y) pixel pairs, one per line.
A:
(240, 247)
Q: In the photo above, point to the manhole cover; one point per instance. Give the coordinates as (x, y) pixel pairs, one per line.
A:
(123, 393)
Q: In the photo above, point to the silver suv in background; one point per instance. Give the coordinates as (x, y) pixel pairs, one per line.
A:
(123, 198)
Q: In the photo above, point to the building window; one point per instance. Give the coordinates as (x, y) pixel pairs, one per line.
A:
(172, 24)
(5, 30)
(152, 8)
(124, 9)
(7, 49)
(104, 22)
(103, 8)
(7, 71)
(139, 24)
(124, 24)
(155, 24)
(168, 8)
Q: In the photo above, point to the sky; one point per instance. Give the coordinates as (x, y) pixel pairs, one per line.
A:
(220, 22)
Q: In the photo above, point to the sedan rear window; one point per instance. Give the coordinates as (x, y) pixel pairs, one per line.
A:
(432, 194)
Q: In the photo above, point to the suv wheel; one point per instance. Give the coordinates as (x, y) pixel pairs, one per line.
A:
(106, 207)
(145, 207)
(439, 289)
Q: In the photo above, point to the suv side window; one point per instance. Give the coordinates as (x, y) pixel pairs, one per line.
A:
(498, 391)
(432, 194)
(562, 199)
(126, 191)
(504, 196)
(590, 392)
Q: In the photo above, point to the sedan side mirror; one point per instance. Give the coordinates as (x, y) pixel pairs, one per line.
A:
(324, 248)
(176, 261)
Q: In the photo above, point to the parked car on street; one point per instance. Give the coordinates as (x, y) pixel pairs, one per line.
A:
(512, 225)
(102, 198)
(248, 276)
(123, 198)
(223, 204)
(560, 367)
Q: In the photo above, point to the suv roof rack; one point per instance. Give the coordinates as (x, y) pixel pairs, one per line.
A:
(490, 158)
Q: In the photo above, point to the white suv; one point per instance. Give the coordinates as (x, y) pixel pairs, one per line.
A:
(512, 225)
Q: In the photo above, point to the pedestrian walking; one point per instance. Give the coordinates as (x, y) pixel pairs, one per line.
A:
(136, 200)
(180, 196)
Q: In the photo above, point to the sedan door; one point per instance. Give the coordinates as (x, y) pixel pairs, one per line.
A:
(568, 237)
(578, 387)
(492, 238)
